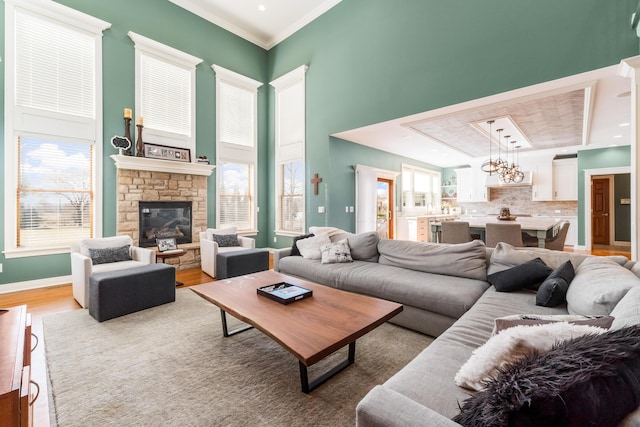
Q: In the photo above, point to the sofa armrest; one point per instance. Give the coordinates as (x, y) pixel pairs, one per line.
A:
(144, 255)
(383, 407)
(247, 242)
(278, 254)
(208, 253)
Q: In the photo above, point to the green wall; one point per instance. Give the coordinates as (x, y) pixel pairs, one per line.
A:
(169, 24)
(597, 159)
(376, 60)
(622, 213)
(369, 61)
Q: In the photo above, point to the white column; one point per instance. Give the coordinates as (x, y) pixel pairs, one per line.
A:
(630, 67)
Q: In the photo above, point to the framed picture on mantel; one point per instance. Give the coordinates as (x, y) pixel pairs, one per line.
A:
(154, 151)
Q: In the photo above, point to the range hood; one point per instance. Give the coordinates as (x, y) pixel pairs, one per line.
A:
(494, 181)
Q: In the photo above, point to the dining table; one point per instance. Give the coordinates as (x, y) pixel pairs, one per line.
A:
(538, 227)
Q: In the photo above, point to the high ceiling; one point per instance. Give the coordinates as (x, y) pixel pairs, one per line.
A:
(262, 22)
(590, 110)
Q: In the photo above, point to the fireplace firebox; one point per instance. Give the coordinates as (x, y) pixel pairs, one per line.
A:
(159, 220)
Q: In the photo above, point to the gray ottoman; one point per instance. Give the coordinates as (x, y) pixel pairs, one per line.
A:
(116, 293)
(238, 263)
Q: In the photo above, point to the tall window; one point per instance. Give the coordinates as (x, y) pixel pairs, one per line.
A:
(290, 141)
(53, 128)
(236, 149)
(165, 93)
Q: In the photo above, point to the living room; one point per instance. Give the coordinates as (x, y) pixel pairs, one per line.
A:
(368, 62)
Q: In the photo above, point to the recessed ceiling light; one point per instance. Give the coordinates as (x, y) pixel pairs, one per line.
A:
(262, 8)
(624, 124)
(617, 136)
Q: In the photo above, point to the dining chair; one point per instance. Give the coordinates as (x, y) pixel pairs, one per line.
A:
(556, 242)
(508, 233)
(455, 232)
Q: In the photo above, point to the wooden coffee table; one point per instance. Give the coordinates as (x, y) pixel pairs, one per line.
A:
(311, 329)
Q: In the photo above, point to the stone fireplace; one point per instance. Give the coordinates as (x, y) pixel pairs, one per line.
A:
(152, 180)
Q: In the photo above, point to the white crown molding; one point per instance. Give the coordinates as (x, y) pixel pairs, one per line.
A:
(167, 52)
(305, 20)
(157, 165)
(232, 76)
(62, 13)
(288, 79)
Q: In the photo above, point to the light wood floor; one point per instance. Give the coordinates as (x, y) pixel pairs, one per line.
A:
(46, 301)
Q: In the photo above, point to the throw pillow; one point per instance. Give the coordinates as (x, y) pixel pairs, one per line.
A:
(527, 275)
(599, 285)
(553, 290)
(505, 256)
(294, 247)
(310, 247)
(591, 380)
(627, 311)
(502, 323)
(364, 246)
(514, 344)
(108, 255)
(337, 252)
(229, 230)
(226, 240)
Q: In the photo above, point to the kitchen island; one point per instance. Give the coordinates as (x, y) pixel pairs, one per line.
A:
(541, 228)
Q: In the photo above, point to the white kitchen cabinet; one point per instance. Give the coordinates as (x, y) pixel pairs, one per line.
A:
(565, 179)
(542, 188)
(471, 185)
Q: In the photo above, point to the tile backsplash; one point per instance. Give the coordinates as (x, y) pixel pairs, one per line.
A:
(518, 200)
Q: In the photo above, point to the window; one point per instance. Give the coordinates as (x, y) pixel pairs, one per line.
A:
(165, 93)
(420, 190)
(290, 161)
(236, 149)
(53, 128)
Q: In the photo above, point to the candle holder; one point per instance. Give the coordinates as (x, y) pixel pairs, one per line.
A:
(139, 143)
(127, 134)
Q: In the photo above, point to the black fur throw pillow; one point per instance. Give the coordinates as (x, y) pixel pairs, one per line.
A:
(592, 381)
(294, 248)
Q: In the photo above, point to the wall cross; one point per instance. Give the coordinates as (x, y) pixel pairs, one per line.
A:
(315, 181)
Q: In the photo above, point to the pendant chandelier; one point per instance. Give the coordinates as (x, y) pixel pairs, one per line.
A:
(511, 173)
(490, 166)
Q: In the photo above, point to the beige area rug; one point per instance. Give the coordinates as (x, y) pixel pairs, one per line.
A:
(171, 366)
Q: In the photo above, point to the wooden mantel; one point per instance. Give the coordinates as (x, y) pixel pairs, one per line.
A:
(157, 165)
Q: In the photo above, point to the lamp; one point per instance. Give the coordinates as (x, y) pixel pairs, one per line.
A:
(490, 166)
(512, 172)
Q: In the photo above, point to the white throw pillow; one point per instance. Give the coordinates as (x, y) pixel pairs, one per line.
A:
(310, 247)
(330, 231)
(514, 344)
(337, 252)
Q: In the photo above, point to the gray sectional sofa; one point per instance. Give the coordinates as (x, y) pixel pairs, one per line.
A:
(445, 294)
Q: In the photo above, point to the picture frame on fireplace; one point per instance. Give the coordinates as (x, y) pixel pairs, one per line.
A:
(167, 244)
(164, 152)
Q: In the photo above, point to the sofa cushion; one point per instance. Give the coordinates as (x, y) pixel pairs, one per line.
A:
(294, 247)
(103, 243)
(512, 345)
(627, 311)
(337, 252)
(310, 247)
(461, 260)
(553, 291)
(364, 246)
(590, 380)
(505, 256)
(527, 275)
(226, 240)
(599, 285)
(108, 255)
(507, 322)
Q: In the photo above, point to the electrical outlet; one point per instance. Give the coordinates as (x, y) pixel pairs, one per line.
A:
(320, 209)
(0, 268)
(351, 209)
(346, 209)
(275, 239)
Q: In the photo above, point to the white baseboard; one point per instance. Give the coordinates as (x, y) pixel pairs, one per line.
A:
(35, 284)
(622, 243)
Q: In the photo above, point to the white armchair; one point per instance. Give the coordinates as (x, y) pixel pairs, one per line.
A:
(82, 265)
(209, 248)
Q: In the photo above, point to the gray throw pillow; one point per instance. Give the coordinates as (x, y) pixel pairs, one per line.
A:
(364, 246)
(527, 275)
(553, 291)
(226, 240)
(108, 255)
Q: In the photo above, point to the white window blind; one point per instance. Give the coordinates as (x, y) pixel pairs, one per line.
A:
(55, 195)
(291, 214)
(165, 95)
(235, 201)
(55, 66)
(291, 115)
(237, 121)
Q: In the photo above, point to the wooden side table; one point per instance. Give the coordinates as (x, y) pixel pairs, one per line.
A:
(171, 254)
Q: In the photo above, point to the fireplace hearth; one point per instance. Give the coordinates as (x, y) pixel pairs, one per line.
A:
(159, 220)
